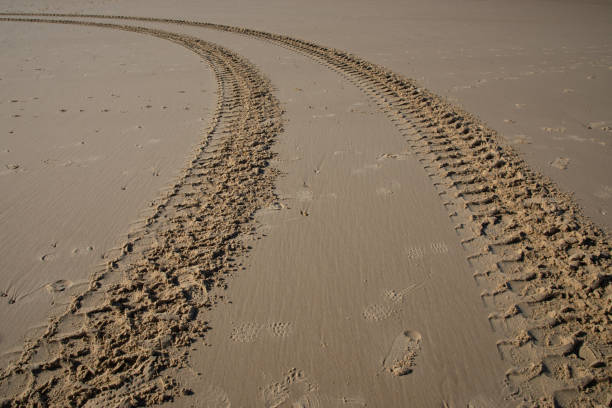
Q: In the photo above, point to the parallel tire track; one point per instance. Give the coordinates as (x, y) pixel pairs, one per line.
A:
(119, 342)
(544, 268)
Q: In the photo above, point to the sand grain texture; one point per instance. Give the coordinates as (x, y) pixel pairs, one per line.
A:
(95, 144)
(116, 339)
(542, 268)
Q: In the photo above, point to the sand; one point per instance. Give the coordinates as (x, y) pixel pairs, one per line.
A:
(368, 244)
(85, 148)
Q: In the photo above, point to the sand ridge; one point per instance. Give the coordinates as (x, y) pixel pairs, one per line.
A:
(544, 269)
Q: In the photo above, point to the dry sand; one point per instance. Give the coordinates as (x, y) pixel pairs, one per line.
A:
(538, 72)
(84, 148)
(403, 256)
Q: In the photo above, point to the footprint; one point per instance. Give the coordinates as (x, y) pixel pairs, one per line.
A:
(403, 354)
(554, 129)
(214, 397)
(521, 139)
(378, 312)
(439, 248)
(602, 125)
(384, 191)
(605, 192)
(398, 296)
(249, 332)
(327, 115)
(397, 156)
(389, 189)
(294, 390)
(414, 252)
(80, 251)
(58, 286)
(560, 163)
(245, 332)
(276, 206)
(280, 329)
(304, 195)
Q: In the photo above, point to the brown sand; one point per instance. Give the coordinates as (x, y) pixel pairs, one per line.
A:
(147, 299)
(542, 268)
(535, 71)
(94, 143)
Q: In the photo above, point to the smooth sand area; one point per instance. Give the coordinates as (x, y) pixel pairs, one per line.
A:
(329, 234)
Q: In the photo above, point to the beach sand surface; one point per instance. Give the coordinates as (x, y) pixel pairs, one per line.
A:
(373, 274)
(96, 124)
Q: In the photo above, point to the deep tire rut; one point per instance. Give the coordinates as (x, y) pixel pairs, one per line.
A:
(543, 267)
(119, 342)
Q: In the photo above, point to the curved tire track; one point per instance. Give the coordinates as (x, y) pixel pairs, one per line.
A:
(119, 342)
(544, 268)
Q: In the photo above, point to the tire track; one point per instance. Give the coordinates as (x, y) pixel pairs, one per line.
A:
(544, 268)
(120, 341)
